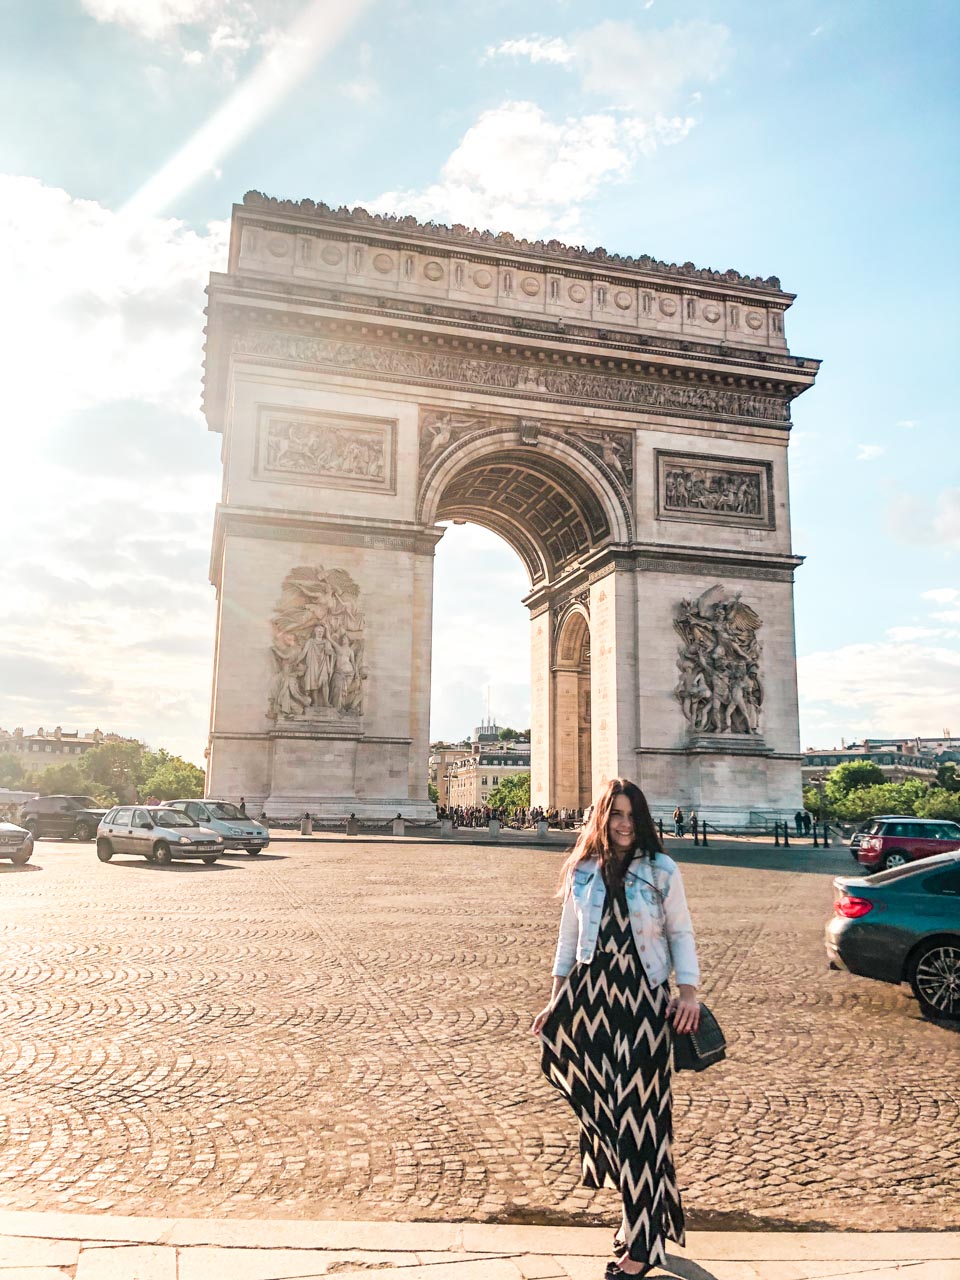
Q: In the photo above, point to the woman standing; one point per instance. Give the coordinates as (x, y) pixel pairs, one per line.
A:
(606, 1035)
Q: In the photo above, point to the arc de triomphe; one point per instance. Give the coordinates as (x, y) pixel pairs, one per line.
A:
(622, 423)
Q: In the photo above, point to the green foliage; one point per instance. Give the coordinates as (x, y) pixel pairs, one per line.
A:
(508, 735)
(433, 794)
(116, 768)
(939, 802)
(172, 779)
(12, 772)
(811, 801)
(853, 776)
(511, 793)
(948, 776)
(63, 780)
(888, 797)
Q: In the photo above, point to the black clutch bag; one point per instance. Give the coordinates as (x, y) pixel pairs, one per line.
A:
(697, 1050)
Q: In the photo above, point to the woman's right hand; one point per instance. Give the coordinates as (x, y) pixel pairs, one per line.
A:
(537, 1024)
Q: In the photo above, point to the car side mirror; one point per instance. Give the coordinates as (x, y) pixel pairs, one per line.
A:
(147, 825)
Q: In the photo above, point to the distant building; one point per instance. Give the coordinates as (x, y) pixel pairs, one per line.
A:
(898, 758)
(62, 743)
(472, 777)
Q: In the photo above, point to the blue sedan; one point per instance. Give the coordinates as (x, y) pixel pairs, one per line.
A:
(903, 925)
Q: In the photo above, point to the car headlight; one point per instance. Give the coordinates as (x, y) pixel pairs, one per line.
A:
(219, 839)
(185, 840)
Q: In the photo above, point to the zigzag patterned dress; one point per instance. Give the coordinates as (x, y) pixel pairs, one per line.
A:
(607, 1048)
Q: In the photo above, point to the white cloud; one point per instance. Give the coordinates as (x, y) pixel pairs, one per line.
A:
(536, 48)
(933, 521)
(155, 19)
(868, 452)
(908, 423)
(899, 634)
(517, 169)
(942, 595)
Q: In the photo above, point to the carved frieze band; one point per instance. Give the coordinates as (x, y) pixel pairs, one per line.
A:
(338, 451)
(497, 376)
(714, 490)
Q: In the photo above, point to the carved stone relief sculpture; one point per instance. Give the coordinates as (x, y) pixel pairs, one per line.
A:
(318, 647)
(719, 690)
(324, 448)
(715, 490)
(615, 449)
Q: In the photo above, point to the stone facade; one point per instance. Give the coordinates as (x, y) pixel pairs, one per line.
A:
(622, 423)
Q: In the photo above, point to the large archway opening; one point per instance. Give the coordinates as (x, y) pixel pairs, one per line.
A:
(572, 769)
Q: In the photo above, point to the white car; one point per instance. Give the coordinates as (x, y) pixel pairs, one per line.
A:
(156, 834)
(237, 830)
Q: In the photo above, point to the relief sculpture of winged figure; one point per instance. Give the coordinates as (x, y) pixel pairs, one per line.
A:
(719, 690)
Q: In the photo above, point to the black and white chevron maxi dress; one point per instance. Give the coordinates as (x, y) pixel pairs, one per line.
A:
(607, 1048)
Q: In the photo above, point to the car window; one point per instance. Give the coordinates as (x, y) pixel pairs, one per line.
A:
(225, 811)
(122, 817)
(194, 810)
(899, 830)
(944, 882)
(171, 818)
(141, 817)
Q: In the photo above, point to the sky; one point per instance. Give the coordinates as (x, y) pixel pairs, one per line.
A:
(816, 140)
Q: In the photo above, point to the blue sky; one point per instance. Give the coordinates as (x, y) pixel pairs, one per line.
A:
(814, 141)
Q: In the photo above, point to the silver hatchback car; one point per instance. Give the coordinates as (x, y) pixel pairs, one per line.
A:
(159, 835)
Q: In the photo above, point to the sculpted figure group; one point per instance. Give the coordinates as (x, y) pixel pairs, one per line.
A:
(699, 489)
(317, 645)
(719, 689)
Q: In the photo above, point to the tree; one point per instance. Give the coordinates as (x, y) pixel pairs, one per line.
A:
(948, 776)
(11, 771)
(940, 803)
(511, 793)
(851, 777)
(811, 801)
(63, 780)
(116, 768)
(889, 797)
(433, 794)
(508, 735)
(173, 779)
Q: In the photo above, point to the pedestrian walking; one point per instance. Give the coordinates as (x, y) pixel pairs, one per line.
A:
(606, 1037)
(242, 806)
(694, 823)
(678, 821)
(798, 822)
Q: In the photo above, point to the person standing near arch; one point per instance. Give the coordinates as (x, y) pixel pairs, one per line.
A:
(606, 1037)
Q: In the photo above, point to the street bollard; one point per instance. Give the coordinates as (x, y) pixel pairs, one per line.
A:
(816, 843)
(786, 835)
(696, 836)
(660, 828)
(703, 834)
(399, 829)
(446, 826)
(353, 826)
(306, 825)
(826, 836)
(776, 834)
(543, 829)
(493, 828)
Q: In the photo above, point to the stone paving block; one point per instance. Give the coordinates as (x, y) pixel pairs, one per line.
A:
(201, 1262)
(593, 1241)
(127, 1262)
(378, 1237)
(485, 1269)
(35, 1273)
(33, 1251)
(535, 1266)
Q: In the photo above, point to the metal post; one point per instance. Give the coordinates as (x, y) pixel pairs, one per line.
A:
(826, 835)
(776, 833)
(816, 844)
(786, 834)
(660, 828)
(703, 832)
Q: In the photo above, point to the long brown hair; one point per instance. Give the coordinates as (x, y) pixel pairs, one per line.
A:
(594, 839)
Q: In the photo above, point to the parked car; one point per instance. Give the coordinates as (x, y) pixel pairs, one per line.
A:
(16, 843)
(903, 925)
(238, 831)
(62, 817)
(853, 843)
(157, 834)
(891, 842)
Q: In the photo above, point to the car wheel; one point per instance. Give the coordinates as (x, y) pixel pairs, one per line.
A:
(895, 858)
(161, 852)
(83, 831)
(21, 857)
(104, 850)
(935, 979)
(253, 852)
(208, 862)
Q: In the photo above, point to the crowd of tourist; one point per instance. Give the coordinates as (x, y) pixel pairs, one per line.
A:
(482, 815)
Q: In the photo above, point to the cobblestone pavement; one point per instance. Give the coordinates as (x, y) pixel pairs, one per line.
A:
(339, 1030)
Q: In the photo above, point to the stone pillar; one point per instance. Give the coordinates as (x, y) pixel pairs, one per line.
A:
(541, 736)
(613, 677)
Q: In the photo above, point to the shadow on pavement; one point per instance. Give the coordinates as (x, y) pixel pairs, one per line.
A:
(797, 859)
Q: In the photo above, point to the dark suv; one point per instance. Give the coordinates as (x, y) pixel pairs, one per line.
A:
(62, 817)
(892, 842)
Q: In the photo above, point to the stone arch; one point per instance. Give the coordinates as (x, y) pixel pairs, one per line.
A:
(572, 711)
(551, 499)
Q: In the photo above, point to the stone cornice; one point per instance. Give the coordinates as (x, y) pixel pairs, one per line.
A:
(302, 526)
(359, 220)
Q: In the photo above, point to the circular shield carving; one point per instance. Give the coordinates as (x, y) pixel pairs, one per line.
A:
(279, 246)
(482, 278)
(577, 293)
(433, 271)
(383, 263)
(711, 313)
(623, 300)
(530, 286)
(754, 320)
(668, 306)
(331, 255)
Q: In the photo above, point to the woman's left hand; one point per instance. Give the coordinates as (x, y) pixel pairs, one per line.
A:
(685, 1010)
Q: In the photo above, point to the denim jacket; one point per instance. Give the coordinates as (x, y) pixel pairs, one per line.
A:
(661, 925)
